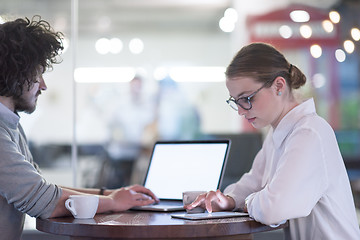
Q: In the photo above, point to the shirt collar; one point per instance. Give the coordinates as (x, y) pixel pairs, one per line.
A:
(290, 119)
(8, 117)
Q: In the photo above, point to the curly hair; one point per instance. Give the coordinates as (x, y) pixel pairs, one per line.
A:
(26, 46)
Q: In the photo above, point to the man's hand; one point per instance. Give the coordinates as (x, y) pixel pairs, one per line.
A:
(128, 197)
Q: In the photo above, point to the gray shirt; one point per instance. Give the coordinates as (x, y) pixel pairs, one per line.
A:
(22, 188)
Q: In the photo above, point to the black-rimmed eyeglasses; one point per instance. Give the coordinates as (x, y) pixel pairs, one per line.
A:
(244, 102)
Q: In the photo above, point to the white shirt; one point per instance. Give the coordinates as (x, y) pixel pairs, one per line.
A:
(299, 176)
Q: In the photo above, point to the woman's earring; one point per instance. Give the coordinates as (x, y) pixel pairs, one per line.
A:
(279, 93)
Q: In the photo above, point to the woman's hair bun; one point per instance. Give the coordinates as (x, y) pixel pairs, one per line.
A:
(297, 78)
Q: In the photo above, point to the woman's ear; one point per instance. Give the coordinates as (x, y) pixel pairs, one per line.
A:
(279, 85)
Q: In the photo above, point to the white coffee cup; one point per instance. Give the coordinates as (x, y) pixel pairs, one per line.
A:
(189, 197)
(82, 206)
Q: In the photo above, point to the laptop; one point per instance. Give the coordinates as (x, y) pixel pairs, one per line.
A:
(178, 166)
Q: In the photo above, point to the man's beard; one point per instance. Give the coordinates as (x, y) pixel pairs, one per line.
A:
(22, 104)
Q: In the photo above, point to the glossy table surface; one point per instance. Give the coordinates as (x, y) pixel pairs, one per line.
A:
(151, 225)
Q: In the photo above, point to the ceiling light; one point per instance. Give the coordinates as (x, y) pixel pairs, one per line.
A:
(102, 45)
(116, 45)
(334, 16)
(300, 16)
(355, 34)
(285, 31)
(328, 26)
(231, 14)
(160, 73)
(305, 31)
(318, 80)
(315, 51)
(226, 25)
(349, 46)
(340, 55)
(228, 21)
(136, 46)
(105, 74)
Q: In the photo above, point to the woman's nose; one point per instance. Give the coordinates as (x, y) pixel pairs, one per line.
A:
(241, 111)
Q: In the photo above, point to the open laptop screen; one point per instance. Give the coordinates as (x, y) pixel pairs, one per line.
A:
(184, 166)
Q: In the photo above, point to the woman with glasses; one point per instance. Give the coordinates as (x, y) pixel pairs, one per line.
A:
(299, 175)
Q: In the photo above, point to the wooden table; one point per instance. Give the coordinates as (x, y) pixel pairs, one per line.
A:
(137, 225)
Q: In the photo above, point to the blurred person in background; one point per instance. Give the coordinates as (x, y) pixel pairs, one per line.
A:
(130, 112)
(177, 117)
(299, 175)
(27, 49)
(129, 117)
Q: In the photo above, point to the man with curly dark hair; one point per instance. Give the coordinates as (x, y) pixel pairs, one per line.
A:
(27, 49)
